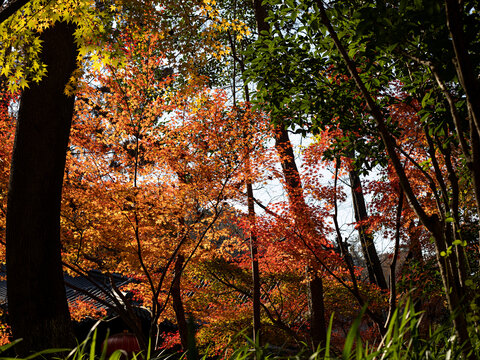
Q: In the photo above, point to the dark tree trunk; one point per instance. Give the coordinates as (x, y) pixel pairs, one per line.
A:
(256, 290)
(463, 63)
(318, 326)
(374, 267)
(300, 211)
(431, 222)
(255, 268)
(37, 302)
(293, 184)
(178, 304)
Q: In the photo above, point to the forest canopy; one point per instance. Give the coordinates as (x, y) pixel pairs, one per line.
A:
(244, 166)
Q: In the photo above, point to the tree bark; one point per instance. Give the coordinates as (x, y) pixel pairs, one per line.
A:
(294, 189)
(318, 327)
(463, 64)
(178, 304)
(37, 302)
(255, 268)
(374, 267)
(300, 211)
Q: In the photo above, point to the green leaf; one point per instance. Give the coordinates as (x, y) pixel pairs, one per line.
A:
(38, 354)
(353, 335)
(329, 335)
(352, 52)
(118, 354)
(5, 347)
(425, 99)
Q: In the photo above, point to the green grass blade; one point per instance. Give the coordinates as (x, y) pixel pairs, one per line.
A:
(5, 347)
(352, 336)
(92, 345)
(329, 337)
(117, 354)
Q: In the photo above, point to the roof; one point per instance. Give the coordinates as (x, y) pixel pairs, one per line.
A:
(95, 283)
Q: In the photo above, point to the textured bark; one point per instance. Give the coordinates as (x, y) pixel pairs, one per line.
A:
(294, 189)
(178, 303)
(255, 268)
(318, 328)
(300, 210)
(374, 267)
(37, 301)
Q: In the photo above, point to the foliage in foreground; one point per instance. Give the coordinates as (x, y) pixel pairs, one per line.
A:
(403, 340)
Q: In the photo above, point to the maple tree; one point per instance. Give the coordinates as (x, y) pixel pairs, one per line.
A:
(307, 226)
(363, 54)
(451, 267)
(7, 133)
(22, 28)
(167, 154)
(168, 160)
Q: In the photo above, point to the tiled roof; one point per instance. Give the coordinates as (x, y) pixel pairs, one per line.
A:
(95, 283)
(3, 292)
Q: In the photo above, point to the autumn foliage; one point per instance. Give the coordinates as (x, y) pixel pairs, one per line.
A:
(180, 180)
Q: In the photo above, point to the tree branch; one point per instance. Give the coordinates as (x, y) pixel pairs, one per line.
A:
(11, 9)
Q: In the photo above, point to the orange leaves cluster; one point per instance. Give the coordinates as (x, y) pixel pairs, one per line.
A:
(154, 164)
(8, 104)
(81, 309)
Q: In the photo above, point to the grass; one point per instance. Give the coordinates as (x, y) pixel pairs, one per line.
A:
(402, 341)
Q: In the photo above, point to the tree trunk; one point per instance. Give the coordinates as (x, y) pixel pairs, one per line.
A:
(300, 211)
(431, 222)
(293, 185)
(255, 269)
(318, 326)
(463, 64)
(374, 267)
(178, 304)
(37, 302)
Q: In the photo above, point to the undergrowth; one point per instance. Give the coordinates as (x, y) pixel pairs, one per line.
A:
(402, 341)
